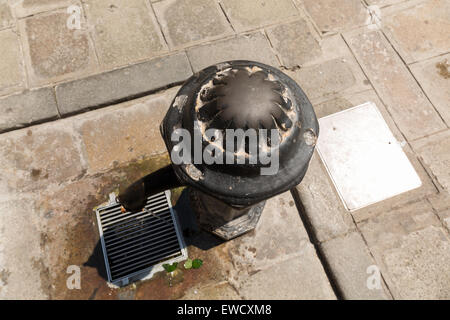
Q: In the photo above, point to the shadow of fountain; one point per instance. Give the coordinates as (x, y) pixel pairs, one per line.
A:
(97, 260)
(193, 235)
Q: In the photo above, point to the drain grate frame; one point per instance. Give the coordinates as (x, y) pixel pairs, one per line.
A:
(136, 244)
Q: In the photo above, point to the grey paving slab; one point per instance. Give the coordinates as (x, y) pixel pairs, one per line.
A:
(125, 132)
(331, 78)
(37, 157)
(20, 246)
(331, 73)
(323, 208)
(412, 251)
(295, 43)
(433, 76)
(252, 14)
(440, 201)
(350, 259)
(445, 217)
(383, 3)
(421, 31)
(123, 31)
(435, 154)
(411, 110)
(332, 47)
(26, 108)
(52, 51)
(335, 15)
(300, 278)
(254, 46)
(279, 235)
(6, 17)
(187, 22)
(24, 8)
(11, 65)
(110, 87)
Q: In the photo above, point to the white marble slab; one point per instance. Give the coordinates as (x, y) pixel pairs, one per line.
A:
(364, 160)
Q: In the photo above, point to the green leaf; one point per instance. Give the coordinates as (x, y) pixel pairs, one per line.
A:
(170, 267)
(197, 263)
(188, 264)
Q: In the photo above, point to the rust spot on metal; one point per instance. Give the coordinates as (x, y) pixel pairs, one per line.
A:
(310, 137)
(252, 70)
(180, 101)
(193, 172)
(222, 66)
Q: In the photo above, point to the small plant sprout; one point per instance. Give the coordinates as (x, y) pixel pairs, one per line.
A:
(170, 267)
(197, 263)
(193, 264)
(188, 264)
(173, 275)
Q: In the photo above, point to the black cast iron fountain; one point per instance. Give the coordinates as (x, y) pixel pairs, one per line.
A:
(228, 195)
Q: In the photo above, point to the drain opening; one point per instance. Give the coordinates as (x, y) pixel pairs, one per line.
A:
(136, 244)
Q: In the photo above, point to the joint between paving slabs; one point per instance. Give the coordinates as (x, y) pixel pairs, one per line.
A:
(321, 255)
(383, 34)
(272, 48)
(441, 220)
(226, 16)
(149, 2)
(315, 242)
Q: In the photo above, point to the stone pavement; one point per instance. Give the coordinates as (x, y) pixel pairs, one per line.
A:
(127, 60)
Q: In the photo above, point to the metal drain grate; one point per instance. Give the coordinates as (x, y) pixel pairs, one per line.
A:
(136, 244)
